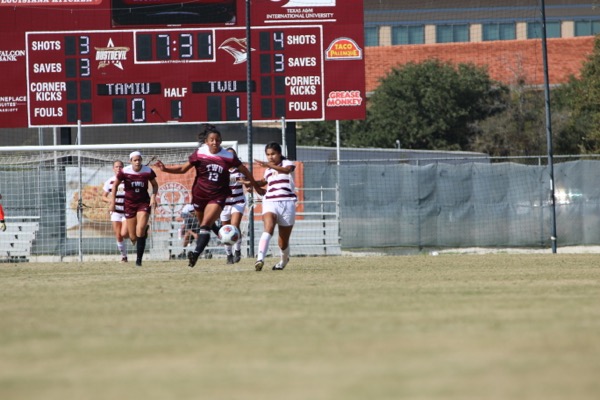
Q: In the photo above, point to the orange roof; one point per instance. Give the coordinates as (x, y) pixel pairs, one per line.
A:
(507, 60)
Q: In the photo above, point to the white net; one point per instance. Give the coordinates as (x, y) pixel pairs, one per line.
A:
(56, 197)
(56, 212)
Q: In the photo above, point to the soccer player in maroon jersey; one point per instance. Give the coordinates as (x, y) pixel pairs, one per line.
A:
(138, 202)
(211, 185)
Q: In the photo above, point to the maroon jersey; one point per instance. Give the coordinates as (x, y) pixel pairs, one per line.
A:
(212, 173)
(136, 185)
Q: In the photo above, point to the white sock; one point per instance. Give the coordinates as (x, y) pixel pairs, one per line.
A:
(263, 246)
(122, 248)
(238, 245)
(228, 250)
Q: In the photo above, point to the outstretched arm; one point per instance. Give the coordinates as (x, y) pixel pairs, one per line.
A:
(284, 170)
(244, 170)
(178, 169)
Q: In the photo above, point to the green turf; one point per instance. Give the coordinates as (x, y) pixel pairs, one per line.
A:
(412, 327)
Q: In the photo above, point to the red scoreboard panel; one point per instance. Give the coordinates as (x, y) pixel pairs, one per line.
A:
(167, 61)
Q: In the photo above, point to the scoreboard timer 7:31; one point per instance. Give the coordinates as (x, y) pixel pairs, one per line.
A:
(163, 61)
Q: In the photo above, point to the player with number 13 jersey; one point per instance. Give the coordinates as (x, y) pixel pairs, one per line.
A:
(212, 170)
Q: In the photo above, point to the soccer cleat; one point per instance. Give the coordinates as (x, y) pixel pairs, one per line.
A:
(138, 263)
(124, 259)
(192, 258)
(229, 258)
(182, 256)
(237, 257)
(279, 266)
(258, 265)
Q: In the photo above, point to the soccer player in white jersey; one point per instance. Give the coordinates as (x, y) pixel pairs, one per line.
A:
(117, 217)
(278, 204)
(233, 211)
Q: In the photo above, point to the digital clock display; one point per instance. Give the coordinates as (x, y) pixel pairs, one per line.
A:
(307, 64)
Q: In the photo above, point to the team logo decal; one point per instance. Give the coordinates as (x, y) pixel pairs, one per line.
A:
(237, 48)
(111, 55)
(172, 196)
(343, 49)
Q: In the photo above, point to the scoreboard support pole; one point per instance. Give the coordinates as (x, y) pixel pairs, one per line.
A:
(249, 124)
(290, 139)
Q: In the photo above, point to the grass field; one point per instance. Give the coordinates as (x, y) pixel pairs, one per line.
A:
(409, 327)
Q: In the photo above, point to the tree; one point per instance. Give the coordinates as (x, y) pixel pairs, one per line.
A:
(432, 105)
(519, 130)
(580, 100)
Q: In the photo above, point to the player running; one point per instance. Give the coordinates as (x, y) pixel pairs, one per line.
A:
(138, 203)
(117, 217)
(211, 185)
(278, 204)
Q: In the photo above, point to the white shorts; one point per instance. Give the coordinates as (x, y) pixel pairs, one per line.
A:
(117, 217)
(232, 209)
(284, 210)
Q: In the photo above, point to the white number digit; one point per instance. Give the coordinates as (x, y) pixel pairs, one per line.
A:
(185, 45)
(84, 45)
(279, 62)
(163, 49)
(84, 67)
(138, 110)
(278, 40)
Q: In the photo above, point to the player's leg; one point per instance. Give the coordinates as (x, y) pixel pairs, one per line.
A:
(285, 221)
(269, 220)
(284, 246)
(209, 216)
(236, 220)
(228, 247)
(118, 227)
(225, 218)
(187, 225)
(131, 228)
(142, 218)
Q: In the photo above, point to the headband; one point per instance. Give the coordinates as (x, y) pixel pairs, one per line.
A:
(134, 153)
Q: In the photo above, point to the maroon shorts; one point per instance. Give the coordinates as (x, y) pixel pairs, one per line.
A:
(200, 204)
(131, 210)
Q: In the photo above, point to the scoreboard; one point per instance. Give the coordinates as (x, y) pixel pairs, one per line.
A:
(172, 61)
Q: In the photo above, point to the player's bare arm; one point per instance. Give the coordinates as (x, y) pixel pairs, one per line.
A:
(154, 192)
(179, 169)
(285, 170)
(244, 170)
